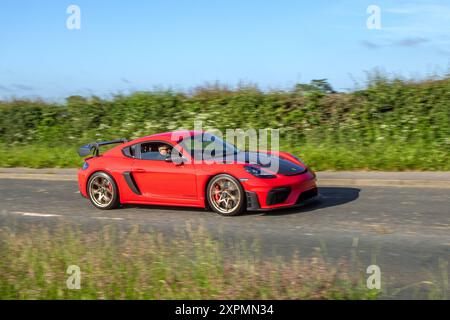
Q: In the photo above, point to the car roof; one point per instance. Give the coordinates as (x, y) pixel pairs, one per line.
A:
(173, 136)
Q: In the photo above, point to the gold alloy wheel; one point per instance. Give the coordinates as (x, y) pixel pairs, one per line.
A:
(101, 191)
(224, 195)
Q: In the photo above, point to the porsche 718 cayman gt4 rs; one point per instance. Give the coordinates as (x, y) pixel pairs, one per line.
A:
(186, 169)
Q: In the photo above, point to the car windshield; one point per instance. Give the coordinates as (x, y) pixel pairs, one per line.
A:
(207, 146)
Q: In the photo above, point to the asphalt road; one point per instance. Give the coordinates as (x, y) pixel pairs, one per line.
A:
(403, 230)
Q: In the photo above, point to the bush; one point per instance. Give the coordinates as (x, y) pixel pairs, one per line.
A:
(392, 124)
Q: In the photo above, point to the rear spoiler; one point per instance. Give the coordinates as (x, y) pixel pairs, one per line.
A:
(93, 148)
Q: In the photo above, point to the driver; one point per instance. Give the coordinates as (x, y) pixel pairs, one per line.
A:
(164, 150)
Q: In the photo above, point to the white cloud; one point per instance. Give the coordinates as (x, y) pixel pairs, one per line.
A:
(412, 24)
(420, 18)
(422, 8)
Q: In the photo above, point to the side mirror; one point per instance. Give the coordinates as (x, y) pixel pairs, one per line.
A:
(176, 160)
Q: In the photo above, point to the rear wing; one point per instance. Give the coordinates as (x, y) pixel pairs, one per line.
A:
(94, 147)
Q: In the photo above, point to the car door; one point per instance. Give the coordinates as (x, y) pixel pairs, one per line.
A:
(162, 181)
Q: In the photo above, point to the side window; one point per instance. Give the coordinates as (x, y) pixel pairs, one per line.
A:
(155, 150)
(130, 151)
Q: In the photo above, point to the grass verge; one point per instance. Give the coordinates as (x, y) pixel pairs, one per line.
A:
(135, 265)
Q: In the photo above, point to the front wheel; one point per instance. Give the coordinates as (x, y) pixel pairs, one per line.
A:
(225, 195)
(103, 191)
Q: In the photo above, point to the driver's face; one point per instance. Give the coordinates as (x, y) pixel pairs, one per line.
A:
(163, 151)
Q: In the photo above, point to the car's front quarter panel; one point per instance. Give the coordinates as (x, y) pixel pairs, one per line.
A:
(205, 172)
(259, 186)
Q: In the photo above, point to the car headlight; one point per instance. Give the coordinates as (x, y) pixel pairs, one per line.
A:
(85, 165)
(258, 172)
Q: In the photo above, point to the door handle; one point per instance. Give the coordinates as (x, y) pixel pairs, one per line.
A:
(139, 170)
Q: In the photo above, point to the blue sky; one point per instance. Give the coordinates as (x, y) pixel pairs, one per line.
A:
(124, 46)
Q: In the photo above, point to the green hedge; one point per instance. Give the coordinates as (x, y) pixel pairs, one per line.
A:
(392, 124)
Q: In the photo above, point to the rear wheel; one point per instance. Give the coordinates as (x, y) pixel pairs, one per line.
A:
(225, 195)
(103, 191)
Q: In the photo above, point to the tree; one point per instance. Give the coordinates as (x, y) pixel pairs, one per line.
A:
(316, 85)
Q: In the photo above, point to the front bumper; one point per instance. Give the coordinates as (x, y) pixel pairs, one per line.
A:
(254, 206)
(281, 192)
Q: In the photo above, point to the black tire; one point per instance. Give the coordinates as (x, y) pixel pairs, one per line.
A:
(237, 206)
(101, 186)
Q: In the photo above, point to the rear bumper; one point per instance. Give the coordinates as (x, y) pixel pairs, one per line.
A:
(82, 180)
(284, 192)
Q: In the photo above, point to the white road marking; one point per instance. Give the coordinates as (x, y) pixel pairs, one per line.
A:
(107, 218)
(34, 214)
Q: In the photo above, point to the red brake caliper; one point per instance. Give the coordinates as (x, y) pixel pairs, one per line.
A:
(216, 195)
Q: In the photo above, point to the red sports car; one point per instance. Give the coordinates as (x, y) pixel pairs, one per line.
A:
(185, 169)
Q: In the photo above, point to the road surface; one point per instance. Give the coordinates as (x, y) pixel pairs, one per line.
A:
(405, 230)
